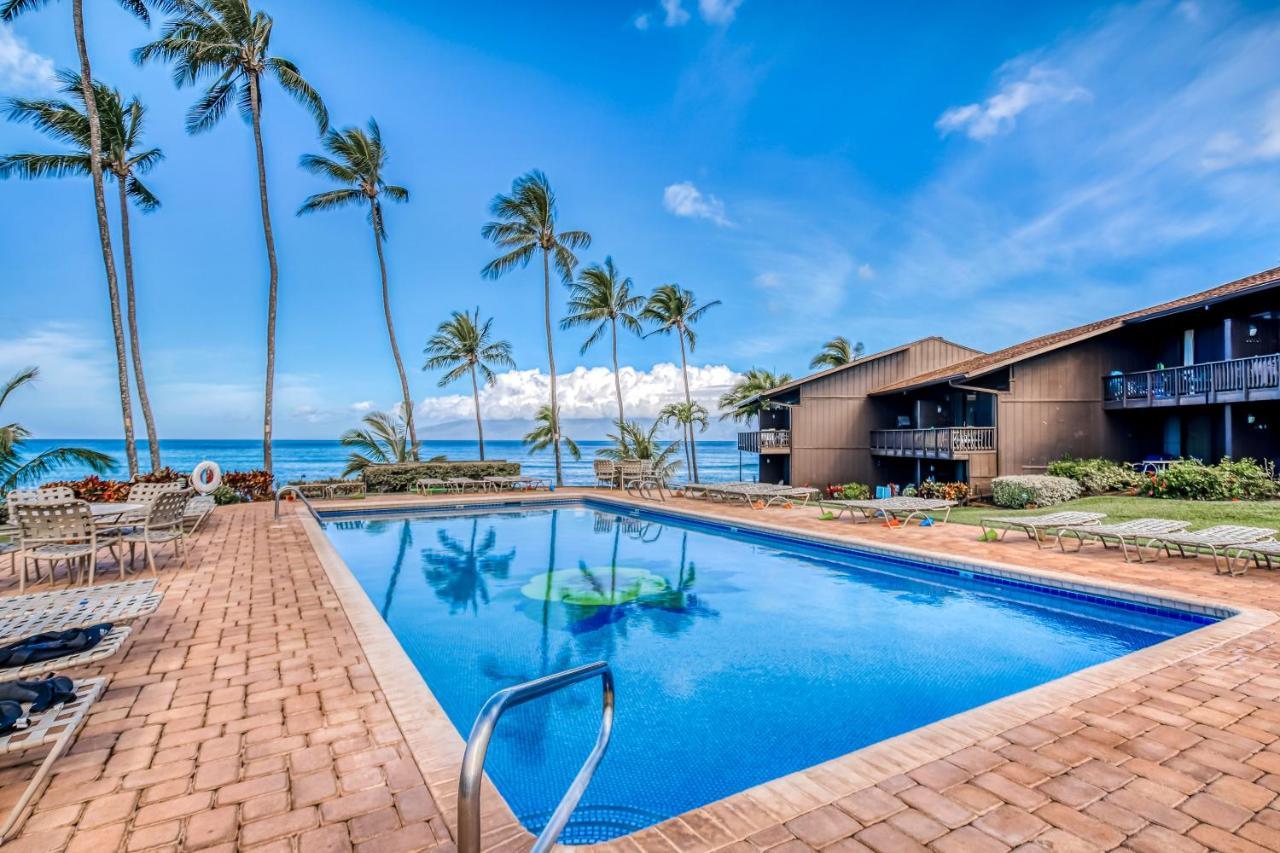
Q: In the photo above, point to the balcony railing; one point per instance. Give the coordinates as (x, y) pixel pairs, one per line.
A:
(765, 441)
(1236, 380)
(939, 443)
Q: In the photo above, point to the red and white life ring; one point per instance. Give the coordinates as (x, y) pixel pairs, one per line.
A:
(206, 477)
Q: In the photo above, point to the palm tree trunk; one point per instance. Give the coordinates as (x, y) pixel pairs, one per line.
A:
(551, 364)
(391, 335)
(273, 286)
(617, 379)
(475, 393)
(688, 399)
(104, 235)
(135, 343)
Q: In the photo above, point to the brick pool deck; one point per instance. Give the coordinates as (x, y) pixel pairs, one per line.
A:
(245, 715)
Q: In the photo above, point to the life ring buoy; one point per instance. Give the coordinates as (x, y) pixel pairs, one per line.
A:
(206, 477)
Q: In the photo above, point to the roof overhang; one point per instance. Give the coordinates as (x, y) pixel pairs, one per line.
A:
(1205, 303)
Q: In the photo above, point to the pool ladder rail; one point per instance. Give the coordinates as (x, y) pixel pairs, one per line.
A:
(472, 776)
(301, 497)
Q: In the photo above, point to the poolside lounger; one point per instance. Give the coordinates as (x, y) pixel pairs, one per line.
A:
(1259, 552)
(117, 603)
(901, 509)
(1139, 532)
(53, 729)
(531, 483)
(788, 496)
(1035, 526)
(106, 647)
(426, 484)
(461, 484)
(1219, 540)
(197, 510)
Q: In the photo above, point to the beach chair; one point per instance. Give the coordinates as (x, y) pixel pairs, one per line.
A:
(63, 609)
(1138, 532)
(426, 485)
(1036, 526)
(52, 732)
(163, 524)
(788, 496)
(346, 489)
(1259, 552)
(1218, 540)
(110, 643)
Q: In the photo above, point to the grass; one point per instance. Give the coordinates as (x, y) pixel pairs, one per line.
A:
(1126, 508)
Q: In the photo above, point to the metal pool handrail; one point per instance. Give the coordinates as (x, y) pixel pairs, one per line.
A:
(299, 493)
(478, 743)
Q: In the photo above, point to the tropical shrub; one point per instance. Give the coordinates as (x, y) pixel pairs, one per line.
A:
(163, 475)
(1191, 479)
(1020, 491)
(96, 490)
(1097, 476)
(933, 490)
(224, 495)
(400, 476)
(849, 491)
(251, 485)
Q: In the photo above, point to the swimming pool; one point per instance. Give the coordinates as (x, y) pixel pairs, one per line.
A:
(739, 656)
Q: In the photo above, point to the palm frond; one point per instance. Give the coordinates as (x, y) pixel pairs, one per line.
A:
(40, 466)
(35, 166)
(330, 200)
(292, 81)
(141, 195)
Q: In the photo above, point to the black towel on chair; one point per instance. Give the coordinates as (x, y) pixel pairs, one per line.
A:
(51, 644)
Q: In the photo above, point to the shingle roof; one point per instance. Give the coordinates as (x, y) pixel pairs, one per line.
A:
(795, 383)
(983, 364)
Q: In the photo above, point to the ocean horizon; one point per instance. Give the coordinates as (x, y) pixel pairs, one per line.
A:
(317, 459)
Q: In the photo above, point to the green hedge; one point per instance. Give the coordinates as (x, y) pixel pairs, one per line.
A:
(1020, 491)
(401, 476)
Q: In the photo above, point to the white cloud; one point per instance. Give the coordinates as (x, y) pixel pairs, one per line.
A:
(1227, 149)
(585, 392)
(641, 22)
(21, 68)
(685, 199)
(675, 13)
(363, 406)
(866, 272)
(718, 12)
(1019, 91)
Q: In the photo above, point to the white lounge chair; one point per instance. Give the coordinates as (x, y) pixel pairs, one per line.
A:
(52, 730)
(1218, 540)
(425, 485)
(1138, 532)
(60, 610)
(902, 509)
(1258, 552)
(197, 510)
(110, 643)
(1035, 526)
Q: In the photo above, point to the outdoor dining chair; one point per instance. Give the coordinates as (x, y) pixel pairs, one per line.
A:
(58, 533)
(164, 524)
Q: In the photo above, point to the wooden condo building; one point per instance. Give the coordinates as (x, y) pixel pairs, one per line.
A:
(1195, 377)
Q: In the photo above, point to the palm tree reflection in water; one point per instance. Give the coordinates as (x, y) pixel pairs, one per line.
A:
(458, 573)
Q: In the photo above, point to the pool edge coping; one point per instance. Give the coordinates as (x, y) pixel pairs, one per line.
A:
(437, 746)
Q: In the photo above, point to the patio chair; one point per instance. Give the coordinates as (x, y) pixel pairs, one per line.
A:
(198, 508)
(1138, 532)
(606, 471)
(164, 523)
(639, 479)
(1258, 552)
(52, 730)
(346, 489)
(1219, 540)
(59, 610)
(1035, 526)
(146, 493)
(59, 532)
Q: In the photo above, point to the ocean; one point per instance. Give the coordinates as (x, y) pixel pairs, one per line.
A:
(718, 461)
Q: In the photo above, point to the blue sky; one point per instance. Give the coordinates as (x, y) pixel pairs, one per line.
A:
(985, 173)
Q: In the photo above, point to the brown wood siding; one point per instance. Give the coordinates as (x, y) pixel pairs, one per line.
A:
(831, 427)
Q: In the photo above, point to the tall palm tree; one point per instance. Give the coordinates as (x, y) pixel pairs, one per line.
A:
(547, 434)
(601, 296)
(741, 402)
(228, 41)
(18, 470)
(675, 309)
(837, 352)
(524, 223)
(358, 160)
(466, 345)
(11, 9)
(121, 123)
(687, 415)
(383, 440)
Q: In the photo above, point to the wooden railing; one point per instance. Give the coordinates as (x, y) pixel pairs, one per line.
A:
(764, 441)
(939, 443)
(1237, 379)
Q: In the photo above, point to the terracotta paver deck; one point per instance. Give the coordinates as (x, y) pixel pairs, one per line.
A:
(245, 715)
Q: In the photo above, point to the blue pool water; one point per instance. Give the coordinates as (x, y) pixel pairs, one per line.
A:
(739, 657)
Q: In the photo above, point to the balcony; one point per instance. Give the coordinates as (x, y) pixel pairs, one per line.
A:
(765, 441)
(1235, 381)
(939, 443)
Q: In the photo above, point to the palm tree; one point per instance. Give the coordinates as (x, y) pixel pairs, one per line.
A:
(601, 297)
(675, 309)
(358, 160)
(742, 401)
(121, 123)
(383, 440)
(17, 470)
(465, 344)
(633, 441)
(547, 434)
(687, 415)
(228, 41)
(837, 352)
(10, 10)
(525, 222)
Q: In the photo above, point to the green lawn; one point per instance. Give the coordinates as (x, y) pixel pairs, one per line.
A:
(1125, 508)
